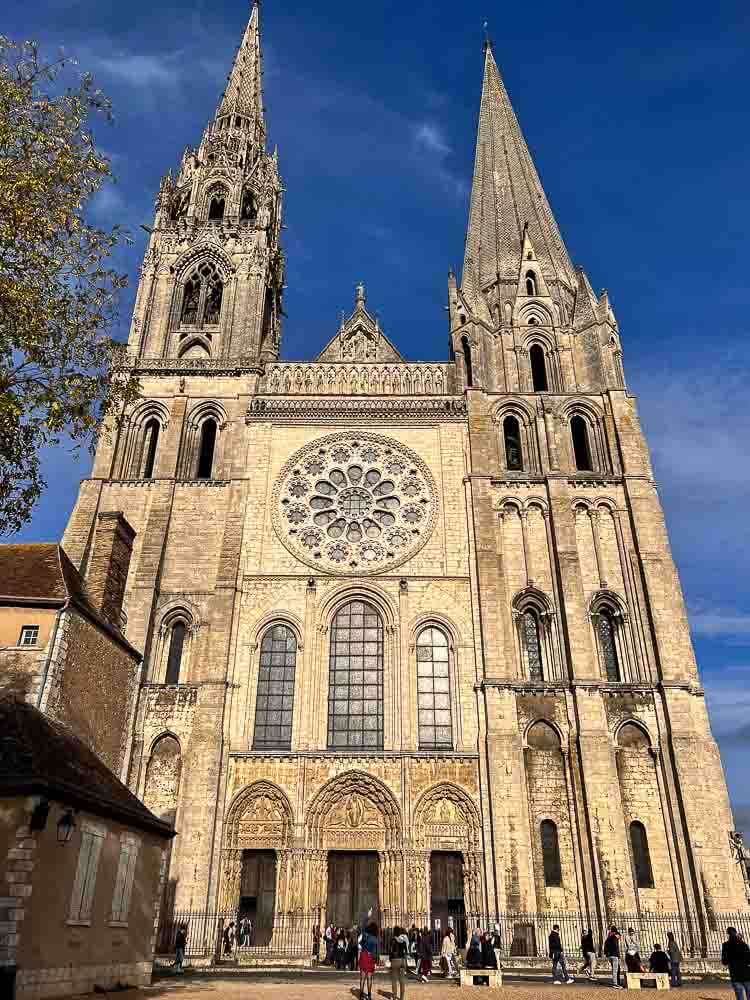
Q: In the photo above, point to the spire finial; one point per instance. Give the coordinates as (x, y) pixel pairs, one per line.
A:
(487, 39)
(361, 297)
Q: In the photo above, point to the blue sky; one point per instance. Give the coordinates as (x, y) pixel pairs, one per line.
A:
(637, 116)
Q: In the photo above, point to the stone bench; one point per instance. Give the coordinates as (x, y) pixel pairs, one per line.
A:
(635, 980)
(468, 976)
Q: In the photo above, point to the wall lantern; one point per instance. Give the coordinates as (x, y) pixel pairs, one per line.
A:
(65, 827)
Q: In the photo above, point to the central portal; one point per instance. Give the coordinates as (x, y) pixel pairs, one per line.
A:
(352, 888)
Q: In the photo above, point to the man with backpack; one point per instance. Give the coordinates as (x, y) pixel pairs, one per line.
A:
(398, 955)
(736, 955)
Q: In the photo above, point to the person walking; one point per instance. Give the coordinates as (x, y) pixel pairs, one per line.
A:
(735, 954)
(632, 952)
(448, 954)
(229, 939)
(557, 954)
(659, 961)
(589, 953)
(612, 952)
(424, 951)
(368, 957)
(180, 943)
(496, 942)
(675, 958)
(398, 955)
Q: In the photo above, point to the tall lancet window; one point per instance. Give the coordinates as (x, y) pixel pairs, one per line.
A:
(530, 283)
(355, 679)
(532, 640)
(538, 368)
(202, 297)
(513, 451)
(150, 444)
(467, 361)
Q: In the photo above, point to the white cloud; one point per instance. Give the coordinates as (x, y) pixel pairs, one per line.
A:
(159, 70)
(717, 622)
(431, 138)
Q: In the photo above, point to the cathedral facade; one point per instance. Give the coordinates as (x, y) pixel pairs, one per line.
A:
(414, 641)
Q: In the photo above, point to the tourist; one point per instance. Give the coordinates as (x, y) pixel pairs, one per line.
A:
(476, 937)
(489, 958)
(329, 945)
(735, 954)
(589, 953)
(675, 958)
(424, 952)
(180, 943)
(448, 954)
(368, 957)
(632, 952)
(497, 943)
(659, 961)
(557, 954)
(398, 955)
(474, 954)
(316, 942)
(228, 937)
(612, 952)
(341, 948)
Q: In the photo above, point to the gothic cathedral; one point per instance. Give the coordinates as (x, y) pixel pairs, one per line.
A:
(414, 642)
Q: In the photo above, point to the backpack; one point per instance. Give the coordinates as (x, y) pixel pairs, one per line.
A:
(398, 949)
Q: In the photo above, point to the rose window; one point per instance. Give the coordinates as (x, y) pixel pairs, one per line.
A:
(354, 503)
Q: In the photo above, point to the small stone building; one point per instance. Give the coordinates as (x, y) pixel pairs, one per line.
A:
(81, 864)
(62, 644)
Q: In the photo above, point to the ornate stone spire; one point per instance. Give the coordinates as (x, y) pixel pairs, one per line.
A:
(244, 93)
(507, 198)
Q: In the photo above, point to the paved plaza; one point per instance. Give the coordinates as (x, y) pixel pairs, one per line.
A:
(308, 986)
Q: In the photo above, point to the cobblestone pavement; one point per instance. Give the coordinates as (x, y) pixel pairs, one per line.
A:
(283, 986)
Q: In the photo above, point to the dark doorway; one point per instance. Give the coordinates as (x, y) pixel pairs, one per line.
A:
(352, 888)
(447, 894)
(258, 893)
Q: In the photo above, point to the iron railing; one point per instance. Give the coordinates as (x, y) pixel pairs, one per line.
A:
(522, 935)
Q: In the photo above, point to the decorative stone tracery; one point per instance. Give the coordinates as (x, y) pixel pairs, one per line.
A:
(354, 812)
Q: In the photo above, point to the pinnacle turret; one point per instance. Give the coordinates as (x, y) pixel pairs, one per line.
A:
(507, 198)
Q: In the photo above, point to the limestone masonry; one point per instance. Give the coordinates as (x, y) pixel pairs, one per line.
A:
(414, 642)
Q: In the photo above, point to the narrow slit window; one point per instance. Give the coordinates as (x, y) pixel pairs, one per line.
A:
(550, 853)
(467, 361)
(151, 442)
(530, 283)
(608, 645)
(207, 448)
(532, 640)
(513, 450)
(538, 369)
(644, 875)
(581, 448)
(176, 648)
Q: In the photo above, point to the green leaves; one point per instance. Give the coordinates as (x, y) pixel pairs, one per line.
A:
(58, 294)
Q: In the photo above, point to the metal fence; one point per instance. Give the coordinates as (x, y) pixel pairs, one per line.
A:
(522, 935)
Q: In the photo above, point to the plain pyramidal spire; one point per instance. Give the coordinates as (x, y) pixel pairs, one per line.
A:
(244, 92)
(507, 196)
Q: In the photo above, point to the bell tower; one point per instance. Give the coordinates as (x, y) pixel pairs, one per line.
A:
(213, 272)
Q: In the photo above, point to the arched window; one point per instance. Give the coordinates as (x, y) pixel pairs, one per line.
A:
(538, 368)
(433, 691)
(530, 283)
(216, 207)
(177, 635)
(202, 297)
(249, 210)
(581, 449)
(532, 641)
(275, 700)
(467, 361)
(605, 627)
(644, 875)
(191, 301)
(550, 853)
(150, 444)
(207, 448)
(513, 450)
(355, 684)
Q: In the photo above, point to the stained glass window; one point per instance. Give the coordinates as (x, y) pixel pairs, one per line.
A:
(275, 700)
(433, 690)
(533, 644)
(606, 628)
(355, 688)
(550, 853)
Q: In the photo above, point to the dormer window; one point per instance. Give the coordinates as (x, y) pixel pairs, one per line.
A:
(530, 283)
